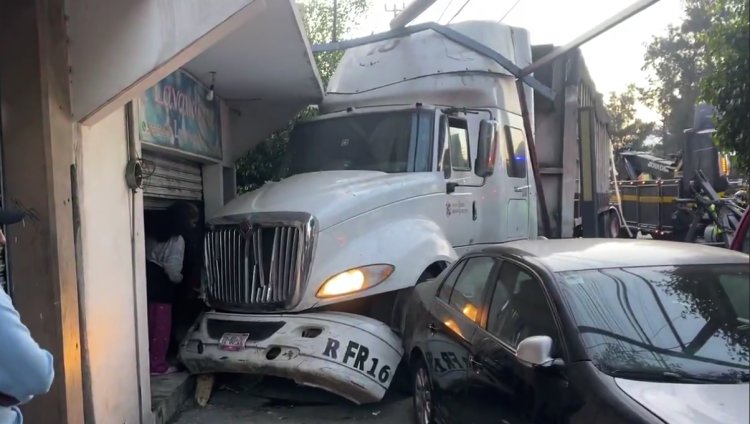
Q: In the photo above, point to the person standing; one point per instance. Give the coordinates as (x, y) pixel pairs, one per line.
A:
(26, 370)
(165, 254)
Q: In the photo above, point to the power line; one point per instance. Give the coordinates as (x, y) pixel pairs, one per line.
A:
(509, 10)
(459, 10)
(445, 10)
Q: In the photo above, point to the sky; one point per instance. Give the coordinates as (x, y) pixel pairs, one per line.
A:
(614, 58)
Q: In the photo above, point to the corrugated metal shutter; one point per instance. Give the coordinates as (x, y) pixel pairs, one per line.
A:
(168, 179)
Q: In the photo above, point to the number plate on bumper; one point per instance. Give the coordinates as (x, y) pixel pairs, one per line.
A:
(233, 342)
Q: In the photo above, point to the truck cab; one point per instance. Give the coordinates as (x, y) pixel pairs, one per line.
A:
(419, 155)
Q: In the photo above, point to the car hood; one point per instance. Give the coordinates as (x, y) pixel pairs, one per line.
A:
(691, 403)
(332, 196)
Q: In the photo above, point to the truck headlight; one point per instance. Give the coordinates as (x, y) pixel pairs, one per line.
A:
(354, 280)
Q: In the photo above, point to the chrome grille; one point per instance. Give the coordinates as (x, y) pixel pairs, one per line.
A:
(257, 264)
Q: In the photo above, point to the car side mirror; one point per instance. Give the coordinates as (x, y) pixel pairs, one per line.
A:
(535, 351)
(484, 165)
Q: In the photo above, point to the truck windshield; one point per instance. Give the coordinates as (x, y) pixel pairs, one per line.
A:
(367, 142)
(682, 322)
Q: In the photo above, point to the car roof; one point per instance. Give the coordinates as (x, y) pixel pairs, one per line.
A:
(578, 254)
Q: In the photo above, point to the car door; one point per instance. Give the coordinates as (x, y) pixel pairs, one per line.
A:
(453, 321)
(501, 388)
(518, 214)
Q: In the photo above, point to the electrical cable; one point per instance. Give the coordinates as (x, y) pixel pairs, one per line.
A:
(459, 11)
(509, 10)
(445, 10)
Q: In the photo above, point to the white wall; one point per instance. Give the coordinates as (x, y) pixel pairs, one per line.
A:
(115, 303)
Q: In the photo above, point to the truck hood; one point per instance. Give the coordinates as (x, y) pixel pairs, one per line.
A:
(332, 196)
(691, 403)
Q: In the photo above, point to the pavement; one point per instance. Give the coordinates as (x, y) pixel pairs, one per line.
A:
(246, 399)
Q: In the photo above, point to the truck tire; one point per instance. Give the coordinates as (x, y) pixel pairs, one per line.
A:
(614, 225)
(401, 380)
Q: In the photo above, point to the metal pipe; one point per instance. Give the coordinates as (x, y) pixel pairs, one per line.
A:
(605, 26)
(541, 199)
(411, 12)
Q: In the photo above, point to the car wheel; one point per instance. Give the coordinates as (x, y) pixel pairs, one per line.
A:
(424, 407)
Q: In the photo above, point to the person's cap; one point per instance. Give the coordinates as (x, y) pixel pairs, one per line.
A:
(8, 217)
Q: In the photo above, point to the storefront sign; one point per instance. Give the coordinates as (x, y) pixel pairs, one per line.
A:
(175, 113)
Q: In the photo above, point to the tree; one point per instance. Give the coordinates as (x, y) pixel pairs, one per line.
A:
(727, 87)
(266, 161)
(625, 128)
(677, 62)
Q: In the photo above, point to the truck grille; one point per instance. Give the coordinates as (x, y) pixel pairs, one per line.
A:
(258, 264)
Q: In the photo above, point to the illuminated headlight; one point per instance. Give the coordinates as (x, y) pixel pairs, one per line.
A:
(355, 280)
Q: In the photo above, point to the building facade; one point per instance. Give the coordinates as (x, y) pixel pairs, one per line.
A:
(94, 94)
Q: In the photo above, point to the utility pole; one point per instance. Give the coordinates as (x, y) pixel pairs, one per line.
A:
(335, 21)
(395, 9)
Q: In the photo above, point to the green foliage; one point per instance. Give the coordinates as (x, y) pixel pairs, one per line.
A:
(727, 87)
(677, 63)
(317, 16)
(625, 128)
(266, 161)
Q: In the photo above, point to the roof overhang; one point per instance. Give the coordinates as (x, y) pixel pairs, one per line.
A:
(257, 48)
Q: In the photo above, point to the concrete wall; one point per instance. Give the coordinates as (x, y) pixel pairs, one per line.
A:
(114, 275)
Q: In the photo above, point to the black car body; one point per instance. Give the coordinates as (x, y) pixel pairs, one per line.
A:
(639, 329)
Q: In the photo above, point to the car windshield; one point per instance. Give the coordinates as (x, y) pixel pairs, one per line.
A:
(689, 321)
(368, 142)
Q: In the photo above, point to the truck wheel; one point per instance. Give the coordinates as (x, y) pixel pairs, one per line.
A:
(615, 227)
(398, 313)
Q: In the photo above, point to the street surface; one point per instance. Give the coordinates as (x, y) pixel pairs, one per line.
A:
(241, 399)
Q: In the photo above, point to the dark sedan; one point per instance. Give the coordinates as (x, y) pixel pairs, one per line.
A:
(583, 331)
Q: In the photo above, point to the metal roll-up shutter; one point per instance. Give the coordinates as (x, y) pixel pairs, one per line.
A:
(168, 179)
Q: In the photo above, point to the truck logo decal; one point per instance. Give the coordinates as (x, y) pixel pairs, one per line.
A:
(456, 208)
(246, 229)
(357, 356)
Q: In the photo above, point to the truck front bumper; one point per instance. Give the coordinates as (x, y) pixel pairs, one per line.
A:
(350, 355)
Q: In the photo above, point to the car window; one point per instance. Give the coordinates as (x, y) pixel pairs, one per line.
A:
(467, 294)
(691, 319)
(447, 287)
(515, 160)
(519, 308)
(458, 134)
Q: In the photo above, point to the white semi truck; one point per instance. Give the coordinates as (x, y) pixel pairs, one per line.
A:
(419, 155)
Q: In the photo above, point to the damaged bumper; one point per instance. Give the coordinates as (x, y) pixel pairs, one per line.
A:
(350, 355)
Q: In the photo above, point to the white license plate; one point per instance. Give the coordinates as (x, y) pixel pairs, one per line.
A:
(233, 342)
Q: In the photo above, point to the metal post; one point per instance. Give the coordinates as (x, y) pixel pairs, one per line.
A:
(334, 37)
(410, 12)
(589, 197)
(546, 229)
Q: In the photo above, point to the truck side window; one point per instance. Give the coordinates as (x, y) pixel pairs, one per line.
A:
(515, 159)
(458, 134)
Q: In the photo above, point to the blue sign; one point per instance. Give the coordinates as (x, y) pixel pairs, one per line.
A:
(175, 113)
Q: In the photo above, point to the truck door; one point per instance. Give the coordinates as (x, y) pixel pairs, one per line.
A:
(455, 161)
(518, 188)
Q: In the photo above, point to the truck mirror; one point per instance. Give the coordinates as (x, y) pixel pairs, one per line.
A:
(484, 165)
